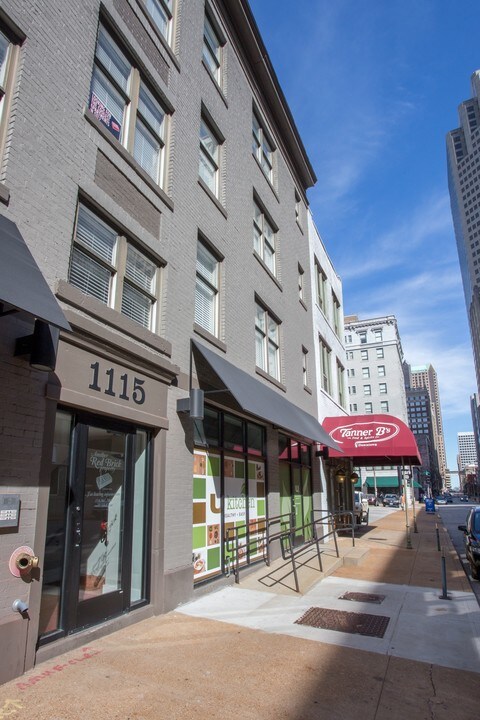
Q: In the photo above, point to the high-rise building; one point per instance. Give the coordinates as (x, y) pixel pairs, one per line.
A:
(421, 423)
(463, 160)
(425, 376)
(374, 358)
(467, 452)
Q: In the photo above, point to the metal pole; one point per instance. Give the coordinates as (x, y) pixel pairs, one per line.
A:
(415, 529)
(409, 539)
(444, 595)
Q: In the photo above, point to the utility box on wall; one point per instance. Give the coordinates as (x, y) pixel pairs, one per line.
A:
(9, 511)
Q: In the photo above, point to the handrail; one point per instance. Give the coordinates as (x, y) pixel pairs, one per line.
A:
(286, 537)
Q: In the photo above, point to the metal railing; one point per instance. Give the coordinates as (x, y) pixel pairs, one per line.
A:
(282, 528)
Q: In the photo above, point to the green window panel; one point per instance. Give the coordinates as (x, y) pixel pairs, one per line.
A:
(213, 558)
(199, 537)
(199, 488)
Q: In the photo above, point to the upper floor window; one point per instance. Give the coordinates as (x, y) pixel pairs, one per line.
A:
(381, 370)
(325, 370)
(379, 352)
(377, 335)
(264, 238)
(336, 314)
(305, 366)
(161, 12)
(367, 390)
(8, 59)
(340, 383)
(362, 337)
(212, 50)
(366, 372)
(349, 354)
(384, 406)
(267, 342)
(121, 100)
(207, 290)
(382, 387)
(301, 289)
(321, 279)
(107, 266)
(368, 408)
(348, 338)
(209, 165)
(297, 208)
(262, 148)
(364, 354)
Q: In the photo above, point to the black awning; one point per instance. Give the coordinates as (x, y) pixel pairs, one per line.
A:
(255, 398)
(22, 285)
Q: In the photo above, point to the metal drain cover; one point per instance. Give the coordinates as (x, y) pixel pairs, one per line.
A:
(347, 622)
(363, 597)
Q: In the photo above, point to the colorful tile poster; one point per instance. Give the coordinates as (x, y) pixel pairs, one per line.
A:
(257, 508)
(207, 514)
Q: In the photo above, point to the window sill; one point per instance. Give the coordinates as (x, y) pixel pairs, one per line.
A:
(270, 379)
(303, 304)
(4, 194)
(217, 86)
(199, 330)
(267, 270)
(269, 182)
(299, 227)
(113, 318)
(212, 197)
(129, 159)
(308, 389)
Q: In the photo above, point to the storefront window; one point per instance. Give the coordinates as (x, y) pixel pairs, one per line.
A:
(255, 435)
(295, 486)
(233, 428)
(140, 488)
(207, 431)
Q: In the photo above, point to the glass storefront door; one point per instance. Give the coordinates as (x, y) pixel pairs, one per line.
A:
(95, 559)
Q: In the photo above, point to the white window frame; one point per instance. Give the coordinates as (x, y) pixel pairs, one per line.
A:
(209, 157)
(325, 366)
(384, 406)
(368, 408)
(267, 341)
(160, 13)
(301, 284)
(262, 147)
(378, 335)
(212, 52)
(305, 369)
(349, 354)
(341, 383)
(364, 354)
(321, 284)
(336, 314)
(380, 353)
(367, 389)
(99, 245)
(144, 117)
(207, 288)
(382, 388)
(381, 371)
(8, 73)
(362, 336)
(264, 238)
(366, 372)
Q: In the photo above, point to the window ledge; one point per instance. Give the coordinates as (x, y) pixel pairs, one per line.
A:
(269, 182)
(217, 86)
(308, 389)
(267, 269)
(128, 158)
(303, 304)
(199, 330)
(212, 197)
(4, 194)
(299, 227)
(271, 379)
(113, 318)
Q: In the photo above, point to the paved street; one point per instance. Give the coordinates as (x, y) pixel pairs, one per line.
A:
(242, 650)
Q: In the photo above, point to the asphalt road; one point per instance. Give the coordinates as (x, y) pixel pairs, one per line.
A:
(452, 516)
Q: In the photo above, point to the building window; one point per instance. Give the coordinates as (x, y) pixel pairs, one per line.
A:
(362, 337)
(207, 290)
(368, 408)
(384, 406)
(381, 370)
(262, 148)
(107, 266)
(325, 354)
(379, 352)
(353, 407)
(377, 335)
(352, 390)
(267, 342)
(161, 12)
(9, 49)
(382, 388)
(348, 338)
(209, 164)
(301, 291)
(366, 372)
(297, 208)
(367, 389)
(264, 238)
(212, 50)
(349, 354)
(120, 100)
(336, 314)
(305, 367)
(321, 288)
(340, 384)
(364, 354)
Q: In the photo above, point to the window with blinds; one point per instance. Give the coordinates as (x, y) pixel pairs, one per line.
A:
(122, 102)
(161, 12)
(267, 342)
(106, 265)
(264, 238)
(212, 50)
(209, 158)
(207, 290)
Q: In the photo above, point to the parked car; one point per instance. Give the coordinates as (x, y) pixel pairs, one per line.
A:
(360, 508)
(463, 498)
(440, 500)
(391, 500)
(372, 499)
(471, 536)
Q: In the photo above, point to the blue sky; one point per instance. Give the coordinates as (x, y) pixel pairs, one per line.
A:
(374, 88)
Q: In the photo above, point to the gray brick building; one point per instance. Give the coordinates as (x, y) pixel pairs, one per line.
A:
(152, 168)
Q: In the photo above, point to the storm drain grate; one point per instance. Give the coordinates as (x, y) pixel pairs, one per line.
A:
(347, 622)
(363, 597)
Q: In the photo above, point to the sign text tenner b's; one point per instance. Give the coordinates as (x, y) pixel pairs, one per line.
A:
(365, 433)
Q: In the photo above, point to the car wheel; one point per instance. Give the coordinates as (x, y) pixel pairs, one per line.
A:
(474, 570)
(365, 517)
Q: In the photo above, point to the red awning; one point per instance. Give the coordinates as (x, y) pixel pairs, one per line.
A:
(373, 440)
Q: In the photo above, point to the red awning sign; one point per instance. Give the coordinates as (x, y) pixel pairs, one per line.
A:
(373, 439)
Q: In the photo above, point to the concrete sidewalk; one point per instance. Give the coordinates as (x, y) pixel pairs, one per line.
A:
(241, 651)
